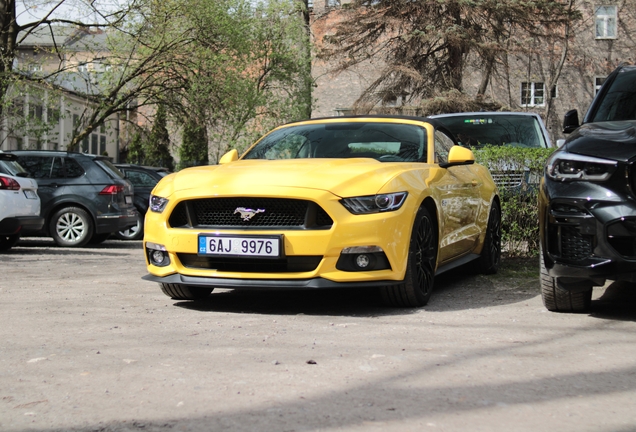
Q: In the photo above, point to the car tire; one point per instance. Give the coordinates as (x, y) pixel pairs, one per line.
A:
(184, 292)
(8, 241)
(71, 227)
(490, 257)
(417, 286)
(558, 299)
(135, 232)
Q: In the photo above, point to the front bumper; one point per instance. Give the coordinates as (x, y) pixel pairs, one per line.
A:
(312, 258)
(588, 232)
(263, 284)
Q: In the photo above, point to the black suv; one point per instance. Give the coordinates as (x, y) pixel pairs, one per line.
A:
(84, 197)
(587, 199)
(144, 179)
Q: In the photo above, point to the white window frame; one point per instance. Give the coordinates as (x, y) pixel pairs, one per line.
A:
(598, 83)
(536, 95)
(606, 21)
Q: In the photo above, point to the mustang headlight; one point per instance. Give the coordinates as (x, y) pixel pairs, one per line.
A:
(374, 203)
(157, 203)
(564, 166)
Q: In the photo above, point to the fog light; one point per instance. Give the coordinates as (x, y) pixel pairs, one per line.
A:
(157, 254)
(363, 261)
(156, 257)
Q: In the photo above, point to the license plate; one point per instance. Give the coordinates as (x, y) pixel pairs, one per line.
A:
(240, 246)
(30, 194)
(128, 199)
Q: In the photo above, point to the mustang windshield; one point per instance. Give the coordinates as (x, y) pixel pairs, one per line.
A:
(386, 142)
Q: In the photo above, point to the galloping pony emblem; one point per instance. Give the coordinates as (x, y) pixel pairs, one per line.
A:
(247, 214)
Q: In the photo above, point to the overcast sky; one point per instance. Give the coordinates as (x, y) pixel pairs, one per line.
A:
(31, 10)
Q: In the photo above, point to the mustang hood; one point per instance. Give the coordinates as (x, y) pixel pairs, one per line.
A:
(608, 140)
(341, 177)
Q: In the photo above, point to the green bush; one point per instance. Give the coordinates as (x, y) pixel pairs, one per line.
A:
(517, 172)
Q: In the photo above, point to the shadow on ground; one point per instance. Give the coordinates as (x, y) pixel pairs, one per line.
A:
(39, 244)
(518, 280)
(618, 302)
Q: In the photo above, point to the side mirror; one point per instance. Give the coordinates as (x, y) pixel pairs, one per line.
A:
(560, 142)
(459, 155)
(570, 121)
(228, 157)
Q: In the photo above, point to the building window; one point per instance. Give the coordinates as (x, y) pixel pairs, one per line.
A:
(36, 112)
(53, 116)
(598, 82)
(94, 141)
(532, 94)
(606, 17)
(16, 109)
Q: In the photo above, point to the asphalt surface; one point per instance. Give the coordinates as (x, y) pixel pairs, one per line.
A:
(89, 346)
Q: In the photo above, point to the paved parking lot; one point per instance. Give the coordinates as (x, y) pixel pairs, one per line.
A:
(89, 346)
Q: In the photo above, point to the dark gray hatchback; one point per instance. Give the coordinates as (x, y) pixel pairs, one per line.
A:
(84, 197)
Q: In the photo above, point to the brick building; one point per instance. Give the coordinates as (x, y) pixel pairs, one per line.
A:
(601, 40)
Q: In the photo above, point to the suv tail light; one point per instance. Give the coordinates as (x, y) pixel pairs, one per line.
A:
(9, 183)
(112, 190)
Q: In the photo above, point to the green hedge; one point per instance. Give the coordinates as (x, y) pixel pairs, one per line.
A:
(520, 220)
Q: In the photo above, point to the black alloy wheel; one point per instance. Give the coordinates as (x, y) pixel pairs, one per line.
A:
(417, 286)
(490, 258)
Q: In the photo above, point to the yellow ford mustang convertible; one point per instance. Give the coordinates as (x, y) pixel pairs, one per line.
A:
(380, 202)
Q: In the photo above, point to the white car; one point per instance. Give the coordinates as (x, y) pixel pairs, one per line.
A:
(19, 202)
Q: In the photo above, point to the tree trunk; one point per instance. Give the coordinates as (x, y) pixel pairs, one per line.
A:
(307, 78)
(485, 79)
(8, 36)
(455, 65)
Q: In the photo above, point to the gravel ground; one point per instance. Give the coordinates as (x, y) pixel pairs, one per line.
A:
(89, 346)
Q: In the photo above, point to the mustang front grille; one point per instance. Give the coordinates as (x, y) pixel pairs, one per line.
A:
(258, 213)
(294, 264)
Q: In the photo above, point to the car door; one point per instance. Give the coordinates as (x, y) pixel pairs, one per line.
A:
(40, 168)
(58, 179)
(459, 199)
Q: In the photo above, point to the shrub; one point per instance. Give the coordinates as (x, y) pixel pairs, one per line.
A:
(517, 172)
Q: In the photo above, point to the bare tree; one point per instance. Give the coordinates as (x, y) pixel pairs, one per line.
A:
(426, 44)
(135, 61)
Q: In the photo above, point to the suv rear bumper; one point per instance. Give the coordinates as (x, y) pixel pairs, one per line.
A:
(21, 224)
(116, 222)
